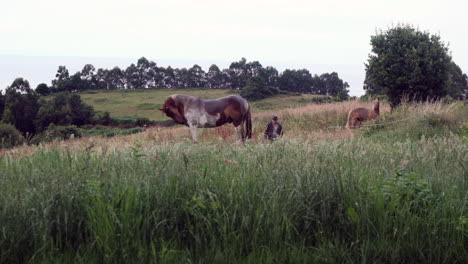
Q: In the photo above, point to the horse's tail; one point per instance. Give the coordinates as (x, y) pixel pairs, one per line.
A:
(248, 125)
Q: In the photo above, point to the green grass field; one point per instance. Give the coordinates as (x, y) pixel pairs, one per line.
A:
(388, 193)
(144, 102)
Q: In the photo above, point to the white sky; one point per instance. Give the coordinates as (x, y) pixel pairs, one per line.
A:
(286, 34)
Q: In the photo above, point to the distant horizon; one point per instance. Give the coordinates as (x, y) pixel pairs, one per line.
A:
(42, 69)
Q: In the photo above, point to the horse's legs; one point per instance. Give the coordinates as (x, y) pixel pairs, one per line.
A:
(240, 132)
(193, 132)
(358, 123)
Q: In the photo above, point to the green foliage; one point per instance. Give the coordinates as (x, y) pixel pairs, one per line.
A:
(321, 100)
(2, 104)
(256, 89)
(54, 132)
(371, 97)
(20, 85)
(9, 136)
(43, 89)
(404, 124)
(407, 63)
(64, 109)
(301, 81)
(406, 192)
(21, 106)
(331, 84)
(80, 112)
(256, 203)
(458, 83)
(126, 122)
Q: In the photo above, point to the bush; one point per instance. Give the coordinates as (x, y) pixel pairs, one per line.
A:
(106, 120)
(54, 132)
(10, 136)
(64, 109)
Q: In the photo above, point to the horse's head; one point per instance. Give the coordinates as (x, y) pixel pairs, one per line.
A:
(174, 109)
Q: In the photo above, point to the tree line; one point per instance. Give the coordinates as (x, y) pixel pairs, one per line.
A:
(147, 74)
(25, 115)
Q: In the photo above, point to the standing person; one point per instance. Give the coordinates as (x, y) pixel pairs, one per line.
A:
(274, 130)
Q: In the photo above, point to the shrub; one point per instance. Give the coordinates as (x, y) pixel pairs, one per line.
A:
(54, 132)
(106, 120)
(9, 136)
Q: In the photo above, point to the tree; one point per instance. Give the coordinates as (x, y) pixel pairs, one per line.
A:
(116, 78)
(458, 83)
(196, 77)
(238, 74)
(213, 77)
(43, 89)
(55, 112)
(182, 78)
(169, 77)
(21, 106)
(270, 75)
(20, 85)
(62, 77)
(256, 89)
(80, 112)
(299, 81)
(331, 84)
(134, 76)
(64, 109)
(88, 75)
(406, 62)
(103, 79)
(2, 104)
(76, 83)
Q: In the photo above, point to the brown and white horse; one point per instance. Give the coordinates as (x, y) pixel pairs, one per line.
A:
(196, 112)
(359, 115)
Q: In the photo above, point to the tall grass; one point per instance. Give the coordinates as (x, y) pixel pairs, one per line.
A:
(373, 196)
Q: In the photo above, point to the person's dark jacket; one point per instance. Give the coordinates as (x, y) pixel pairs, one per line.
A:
(269, 131)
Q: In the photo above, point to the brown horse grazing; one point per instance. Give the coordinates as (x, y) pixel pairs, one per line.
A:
(359, 115)
(196, 112)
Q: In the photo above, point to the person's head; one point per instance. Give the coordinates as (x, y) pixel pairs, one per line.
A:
(274, 119)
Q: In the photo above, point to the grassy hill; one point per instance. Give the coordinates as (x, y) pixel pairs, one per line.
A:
(392, 192)
(144, 103)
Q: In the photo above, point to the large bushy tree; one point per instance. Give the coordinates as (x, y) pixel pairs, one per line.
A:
(64, 109)
(42, 89)
(458, 82)
(331, 84)
(298, 81)
(406, 62)
(21, 106)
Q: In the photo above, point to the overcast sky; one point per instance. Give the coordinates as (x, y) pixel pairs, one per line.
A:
(37, 36)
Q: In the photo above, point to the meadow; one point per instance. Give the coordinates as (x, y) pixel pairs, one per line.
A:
(145, 102)
(395, 191)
